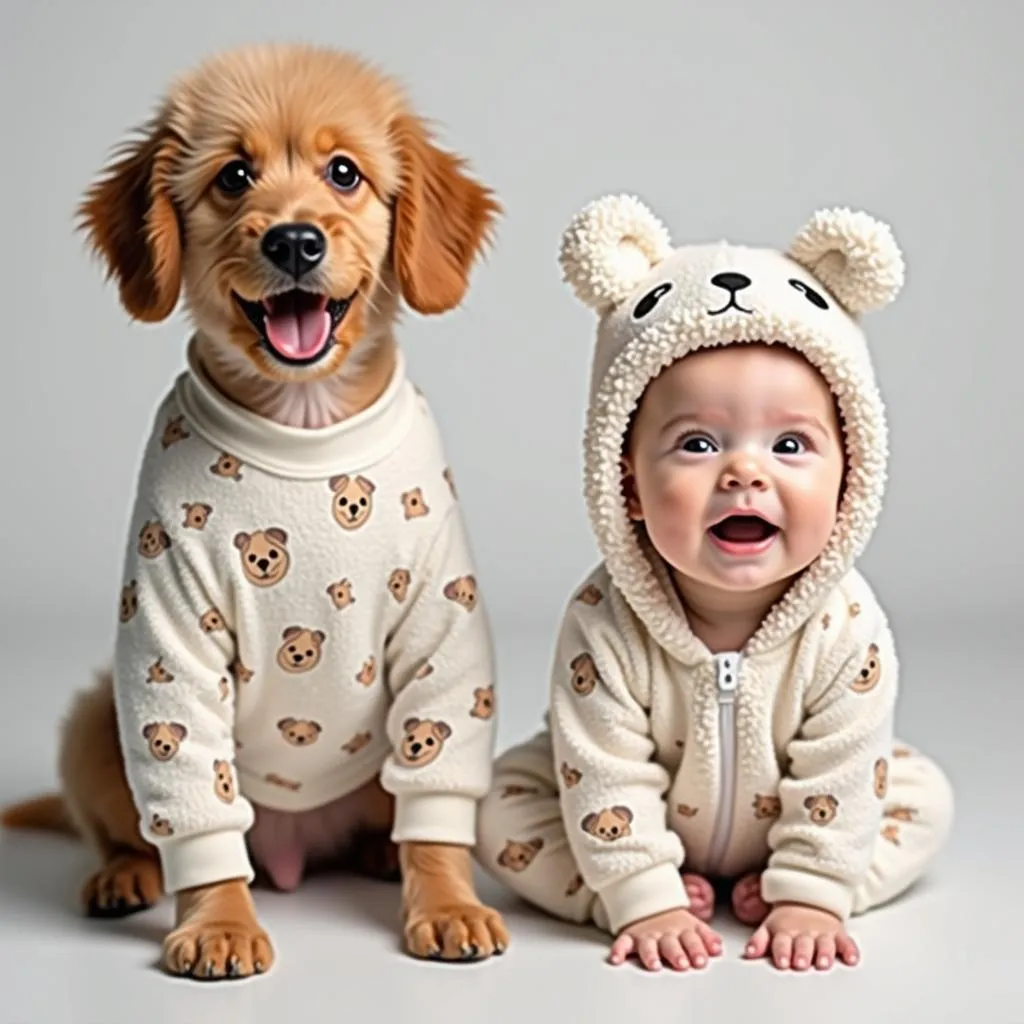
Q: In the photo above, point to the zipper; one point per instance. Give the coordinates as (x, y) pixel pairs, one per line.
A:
(727, 671)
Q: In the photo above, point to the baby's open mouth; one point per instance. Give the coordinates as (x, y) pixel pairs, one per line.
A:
(296, 326)
(743, 534)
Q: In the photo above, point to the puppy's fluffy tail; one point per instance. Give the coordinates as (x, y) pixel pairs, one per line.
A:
(44, 813)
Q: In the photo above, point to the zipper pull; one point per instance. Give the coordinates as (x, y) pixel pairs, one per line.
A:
(728, 666)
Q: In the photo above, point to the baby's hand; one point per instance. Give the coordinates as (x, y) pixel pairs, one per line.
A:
(802, 935)
(676, 937)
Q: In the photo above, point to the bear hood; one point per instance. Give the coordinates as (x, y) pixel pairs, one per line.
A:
(656, 302)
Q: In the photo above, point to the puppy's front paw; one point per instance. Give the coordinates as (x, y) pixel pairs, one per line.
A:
(124, 885)
(219, 949)
(467, 931)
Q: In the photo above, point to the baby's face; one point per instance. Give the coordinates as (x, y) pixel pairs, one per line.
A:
(735, 466)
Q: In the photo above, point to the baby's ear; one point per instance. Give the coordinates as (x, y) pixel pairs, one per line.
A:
(855, 256)
(608, 247)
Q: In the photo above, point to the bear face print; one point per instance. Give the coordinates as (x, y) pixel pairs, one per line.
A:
(224, 687)
(484, 702)
(301, 649)
(352, 503)
(282, 783)
(264, 554)
(224, 782)
(902, 752)
(518, 856)
(854, 610)
(300, 732)
(766, 807)
(228, 467)
(160, 827)
(156, 673)
(570, 776)
(589, 595)
(367, 675)
(891, 834)
(821, 809)
(212, 621)
(413, 504)
(462, 590)
(129, 604)
(826, 620)
(575, 885)
(901, 814)
(881, 778)
(584, 674)
(239, 671)
(398, 584)
(686, 811)
(153, 540)
(609, 824)
(340, 593)
(360, 741)
(870, 673)
(164, 738)
(197, 515)
(174, 431)
(424, 670)
(517, 790)
(423, 742)
(449, 479)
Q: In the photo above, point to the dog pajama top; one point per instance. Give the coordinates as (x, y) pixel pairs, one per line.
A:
(299, 613)
(658, 753)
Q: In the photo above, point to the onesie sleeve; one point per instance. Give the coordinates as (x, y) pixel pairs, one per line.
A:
(172, 690)
(833, 794)
(441, 671)
(612, 791)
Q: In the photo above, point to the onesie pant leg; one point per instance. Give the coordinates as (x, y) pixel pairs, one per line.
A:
(918, 817)
(521, 839)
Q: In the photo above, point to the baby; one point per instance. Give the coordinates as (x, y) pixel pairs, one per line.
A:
(724, 684)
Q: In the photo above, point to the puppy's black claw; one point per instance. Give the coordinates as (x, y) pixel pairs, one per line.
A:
(234, 968)
(470, 952)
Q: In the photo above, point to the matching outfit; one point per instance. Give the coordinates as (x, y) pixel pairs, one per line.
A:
(299, 613)
(657, 754)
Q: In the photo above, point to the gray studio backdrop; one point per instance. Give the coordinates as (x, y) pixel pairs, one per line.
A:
(732, 119)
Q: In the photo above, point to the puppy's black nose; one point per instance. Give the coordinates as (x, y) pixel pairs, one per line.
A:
(731, 281)
(294, 248)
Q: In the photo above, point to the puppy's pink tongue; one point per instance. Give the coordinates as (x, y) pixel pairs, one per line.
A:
(285, 867)
(297, 324)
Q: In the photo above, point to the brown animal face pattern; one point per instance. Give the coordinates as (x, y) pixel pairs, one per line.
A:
(156, 673)
(483, 706)
(590, 595)
(240, 672)
(197, 515)
(585, 676)
(160, 827)
(821, 809)
(570, 776)
(462, 591)
(224, 782)
(517, 856)
(368, 673)
(340, 593)
(352, 503)
(881, 778)
(609, 824)
(423, 742)
(300, 732)
(153, 540)
(212, 622)
(398, 584)
(870, 673)
(164, 739)
(264, 554)
(413, 504)
(174, 431)
(227, 467)
(359, 742)
(301, 649)
(129, 601)
(766, 807)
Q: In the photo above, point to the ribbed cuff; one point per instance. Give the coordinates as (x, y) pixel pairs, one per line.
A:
(204, 859)
(790, 885)
(651, 892)
(434, 818)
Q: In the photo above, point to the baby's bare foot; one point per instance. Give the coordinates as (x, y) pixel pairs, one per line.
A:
(702, 897)
(747, 904)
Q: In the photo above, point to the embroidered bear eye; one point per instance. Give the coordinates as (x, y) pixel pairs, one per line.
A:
(809, 293)
(651, 299)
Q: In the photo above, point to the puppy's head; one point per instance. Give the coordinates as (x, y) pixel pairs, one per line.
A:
(289, 195)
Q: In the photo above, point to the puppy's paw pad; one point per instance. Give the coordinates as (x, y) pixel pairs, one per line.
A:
(217, 951)
(459, 933)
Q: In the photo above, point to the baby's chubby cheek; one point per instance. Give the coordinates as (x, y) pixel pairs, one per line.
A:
(674, 514)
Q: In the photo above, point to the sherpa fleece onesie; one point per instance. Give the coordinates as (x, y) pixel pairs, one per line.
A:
(659, 754)
(299, 613)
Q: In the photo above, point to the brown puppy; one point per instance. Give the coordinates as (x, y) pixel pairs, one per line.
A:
(249, 140)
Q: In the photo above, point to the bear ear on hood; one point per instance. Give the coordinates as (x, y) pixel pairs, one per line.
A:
(609, 247)
(855, 256)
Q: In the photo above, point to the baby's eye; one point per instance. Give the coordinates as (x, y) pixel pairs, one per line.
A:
(791, 444)
(697, 444)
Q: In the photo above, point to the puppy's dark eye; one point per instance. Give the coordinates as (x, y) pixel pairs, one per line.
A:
(343, 174)
(651, 299)
(809, 293)
(235, 177)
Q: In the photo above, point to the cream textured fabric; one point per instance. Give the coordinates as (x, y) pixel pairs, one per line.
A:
(662, 753)
(299, 613)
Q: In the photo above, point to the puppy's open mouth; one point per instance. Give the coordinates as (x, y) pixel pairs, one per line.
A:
(296, 326)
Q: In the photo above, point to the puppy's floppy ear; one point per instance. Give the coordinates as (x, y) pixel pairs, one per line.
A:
(443, 220)
(131, 221)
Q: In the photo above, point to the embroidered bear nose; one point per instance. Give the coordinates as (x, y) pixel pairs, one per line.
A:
(731, 281)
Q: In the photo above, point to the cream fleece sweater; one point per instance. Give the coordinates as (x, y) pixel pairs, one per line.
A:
(299, 613)
(669, 755)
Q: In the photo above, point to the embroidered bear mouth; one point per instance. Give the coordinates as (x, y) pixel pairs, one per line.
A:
(296, 326)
